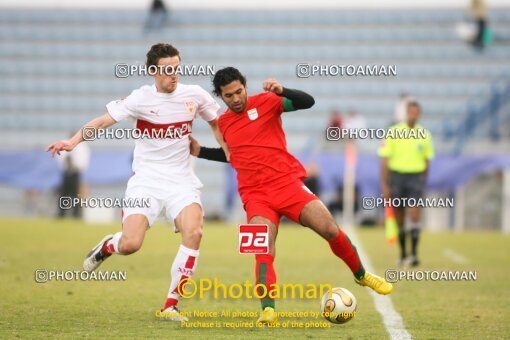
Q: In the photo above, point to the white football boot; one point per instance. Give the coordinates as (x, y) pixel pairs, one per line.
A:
(172, 313)
(96, 256)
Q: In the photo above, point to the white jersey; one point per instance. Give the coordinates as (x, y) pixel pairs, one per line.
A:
(168, 158)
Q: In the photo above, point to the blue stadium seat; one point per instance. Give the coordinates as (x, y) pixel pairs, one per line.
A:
(63, 60)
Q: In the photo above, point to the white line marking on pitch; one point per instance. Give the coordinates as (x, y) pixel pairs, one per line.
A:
(454, 256)
(392, 319)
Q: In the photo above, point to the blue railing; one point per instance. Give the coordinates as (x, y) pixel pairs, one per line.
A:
(475, 114)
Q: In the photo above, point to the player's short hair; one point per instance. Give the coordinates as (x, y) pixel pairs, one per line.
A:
(159, 51)
(224, 77)
(414, 103)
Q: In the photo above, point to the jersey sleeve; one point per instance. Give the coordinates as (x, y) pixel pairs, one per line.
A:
(385, 150)
(123, 108)
(288, 106)
(276, 101)
(207, 107)
(429, 147)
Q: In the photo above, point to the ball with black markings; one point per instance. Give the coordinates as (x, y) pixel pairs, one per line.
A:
(338, 305)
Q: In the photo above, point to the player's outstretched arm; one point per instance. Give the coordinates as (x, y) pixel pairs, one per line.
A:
(212, 154)
(293, 99)
(101, 122)
(219, 137)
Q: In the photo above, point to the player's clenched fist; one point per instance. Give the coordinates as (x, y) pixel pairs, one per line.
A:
(272, 85)
(62, 145)
(194, 146)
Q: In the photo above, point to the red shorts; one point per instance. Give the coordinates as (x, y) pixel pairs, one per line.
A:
(274, 201)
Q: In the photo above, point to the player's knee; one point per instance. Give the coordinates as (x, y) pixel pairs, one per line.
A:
(257, 220)
(194, 236)
(272, 250)
(129, 246)
(197, 234)
(414, 216)
(331, 231)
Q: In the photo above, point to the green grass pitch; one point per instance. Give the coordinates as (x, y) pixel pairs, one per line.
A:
(126, 309)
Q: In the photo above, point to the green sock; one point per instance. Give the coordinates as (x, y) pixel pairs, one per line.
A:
(267, 302)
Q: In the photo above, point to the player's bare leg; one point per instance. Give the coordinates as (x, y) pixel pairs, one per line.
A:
(273, 232)
(265, 273)
(133, 234)
(124, 243)
(189, 222)
(317, 217)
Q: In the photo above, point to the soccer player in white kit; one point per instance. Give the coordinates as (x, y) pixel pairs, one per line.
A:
(162, 167)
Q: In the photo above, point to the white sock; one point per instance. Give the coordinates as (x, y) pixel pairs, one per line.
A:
(183, 267)
(113, 243)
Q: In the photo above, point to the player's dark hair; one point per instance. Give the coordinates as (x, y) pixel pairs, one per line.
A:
(224, 77)
(415, 104)
(159, 51)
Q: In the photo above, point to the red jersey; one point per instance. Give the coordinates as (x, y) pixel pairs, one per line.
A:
(258, 148)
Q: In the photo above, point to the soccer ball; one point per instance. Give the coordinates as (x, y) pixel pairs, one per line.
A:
(338, 305)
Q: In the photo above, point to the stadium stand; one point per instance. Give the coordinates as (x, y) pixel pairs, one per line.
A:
(57, 67)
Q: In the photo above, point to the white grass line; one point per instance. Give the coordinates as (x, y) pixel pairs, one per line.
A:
(454, 256)
(391, 318)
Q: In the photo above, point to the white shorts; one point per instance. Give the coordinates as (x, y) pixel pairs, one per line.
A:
(161, 196)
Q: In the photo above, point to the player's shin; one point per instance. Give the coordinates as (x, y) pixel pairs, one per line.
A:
(415, 237)
(265, 275)
(402, 242)
(182, 269)
(343, 248)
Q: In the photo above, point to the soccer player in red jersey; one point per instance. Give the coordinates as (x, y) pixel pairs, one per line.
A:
(270, 178)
